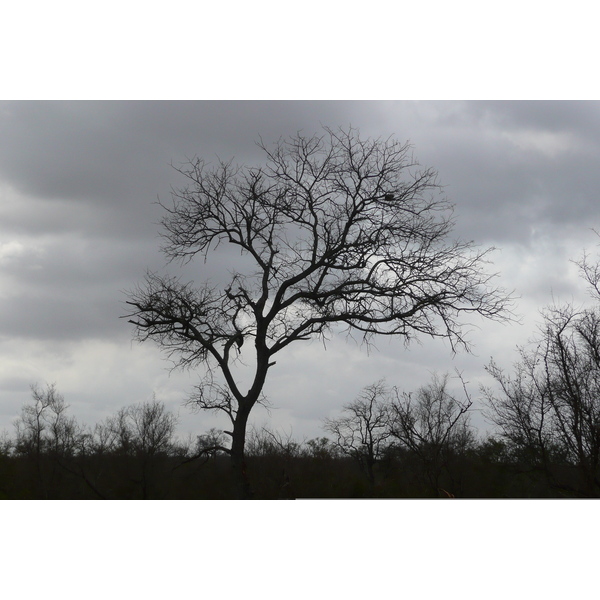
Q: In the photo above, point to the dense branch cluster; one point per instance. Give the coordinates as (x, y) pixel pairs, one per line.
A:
(431, 425)
(338, 232)
(549, 410)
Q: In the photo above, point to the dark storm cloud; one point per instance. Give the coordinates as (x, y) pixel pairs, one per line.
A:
(507, 165)
(112, 150)
(114, 157)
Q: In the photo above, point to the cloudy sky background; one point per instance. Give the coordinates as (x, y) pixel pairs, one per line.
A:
(79, 226)
(74, 233)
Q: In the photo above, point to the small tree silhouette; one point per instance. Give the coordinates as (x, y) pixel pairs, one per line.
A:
(363, 431)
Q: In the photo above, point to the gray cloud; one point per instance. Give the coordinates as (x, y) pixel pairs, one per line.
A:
(78, 224)
(510, 167)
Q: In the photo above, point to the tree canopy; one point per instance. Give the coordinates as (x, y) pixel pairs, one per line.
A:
(340, 231)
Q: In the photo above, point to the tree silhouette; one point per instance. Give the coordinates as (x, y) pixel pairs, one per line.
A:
(364, 429)
(549, 409)
(433, 425)
(337, 232)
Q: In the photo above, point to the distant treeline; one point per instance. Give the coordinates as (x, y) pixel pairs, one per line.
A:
(385, 445)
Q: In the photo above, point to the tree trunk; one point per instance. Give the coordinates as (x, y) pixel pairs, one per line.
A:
(241, 485)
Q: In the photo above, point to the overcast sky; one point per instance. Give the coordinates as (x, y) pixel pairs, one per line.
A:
(78, 226)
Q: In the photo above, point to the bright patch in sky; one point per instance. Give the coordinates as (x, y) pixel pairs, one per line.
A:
(551, 144)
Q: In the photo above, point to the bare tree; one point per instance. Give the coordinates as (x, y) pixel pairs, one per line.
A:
(44, 425)
(337, 232)
(549, 410)
(141, 429)
(66, 436)
(363, 431)
(320, 448)
(45, 430)
(275, 448)
(432, 424)
(152, 428)
(211, 444)
(143, 435)
(30, 426)
(6, 444)
(265, 442)
(521, 410)
(114, 434)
